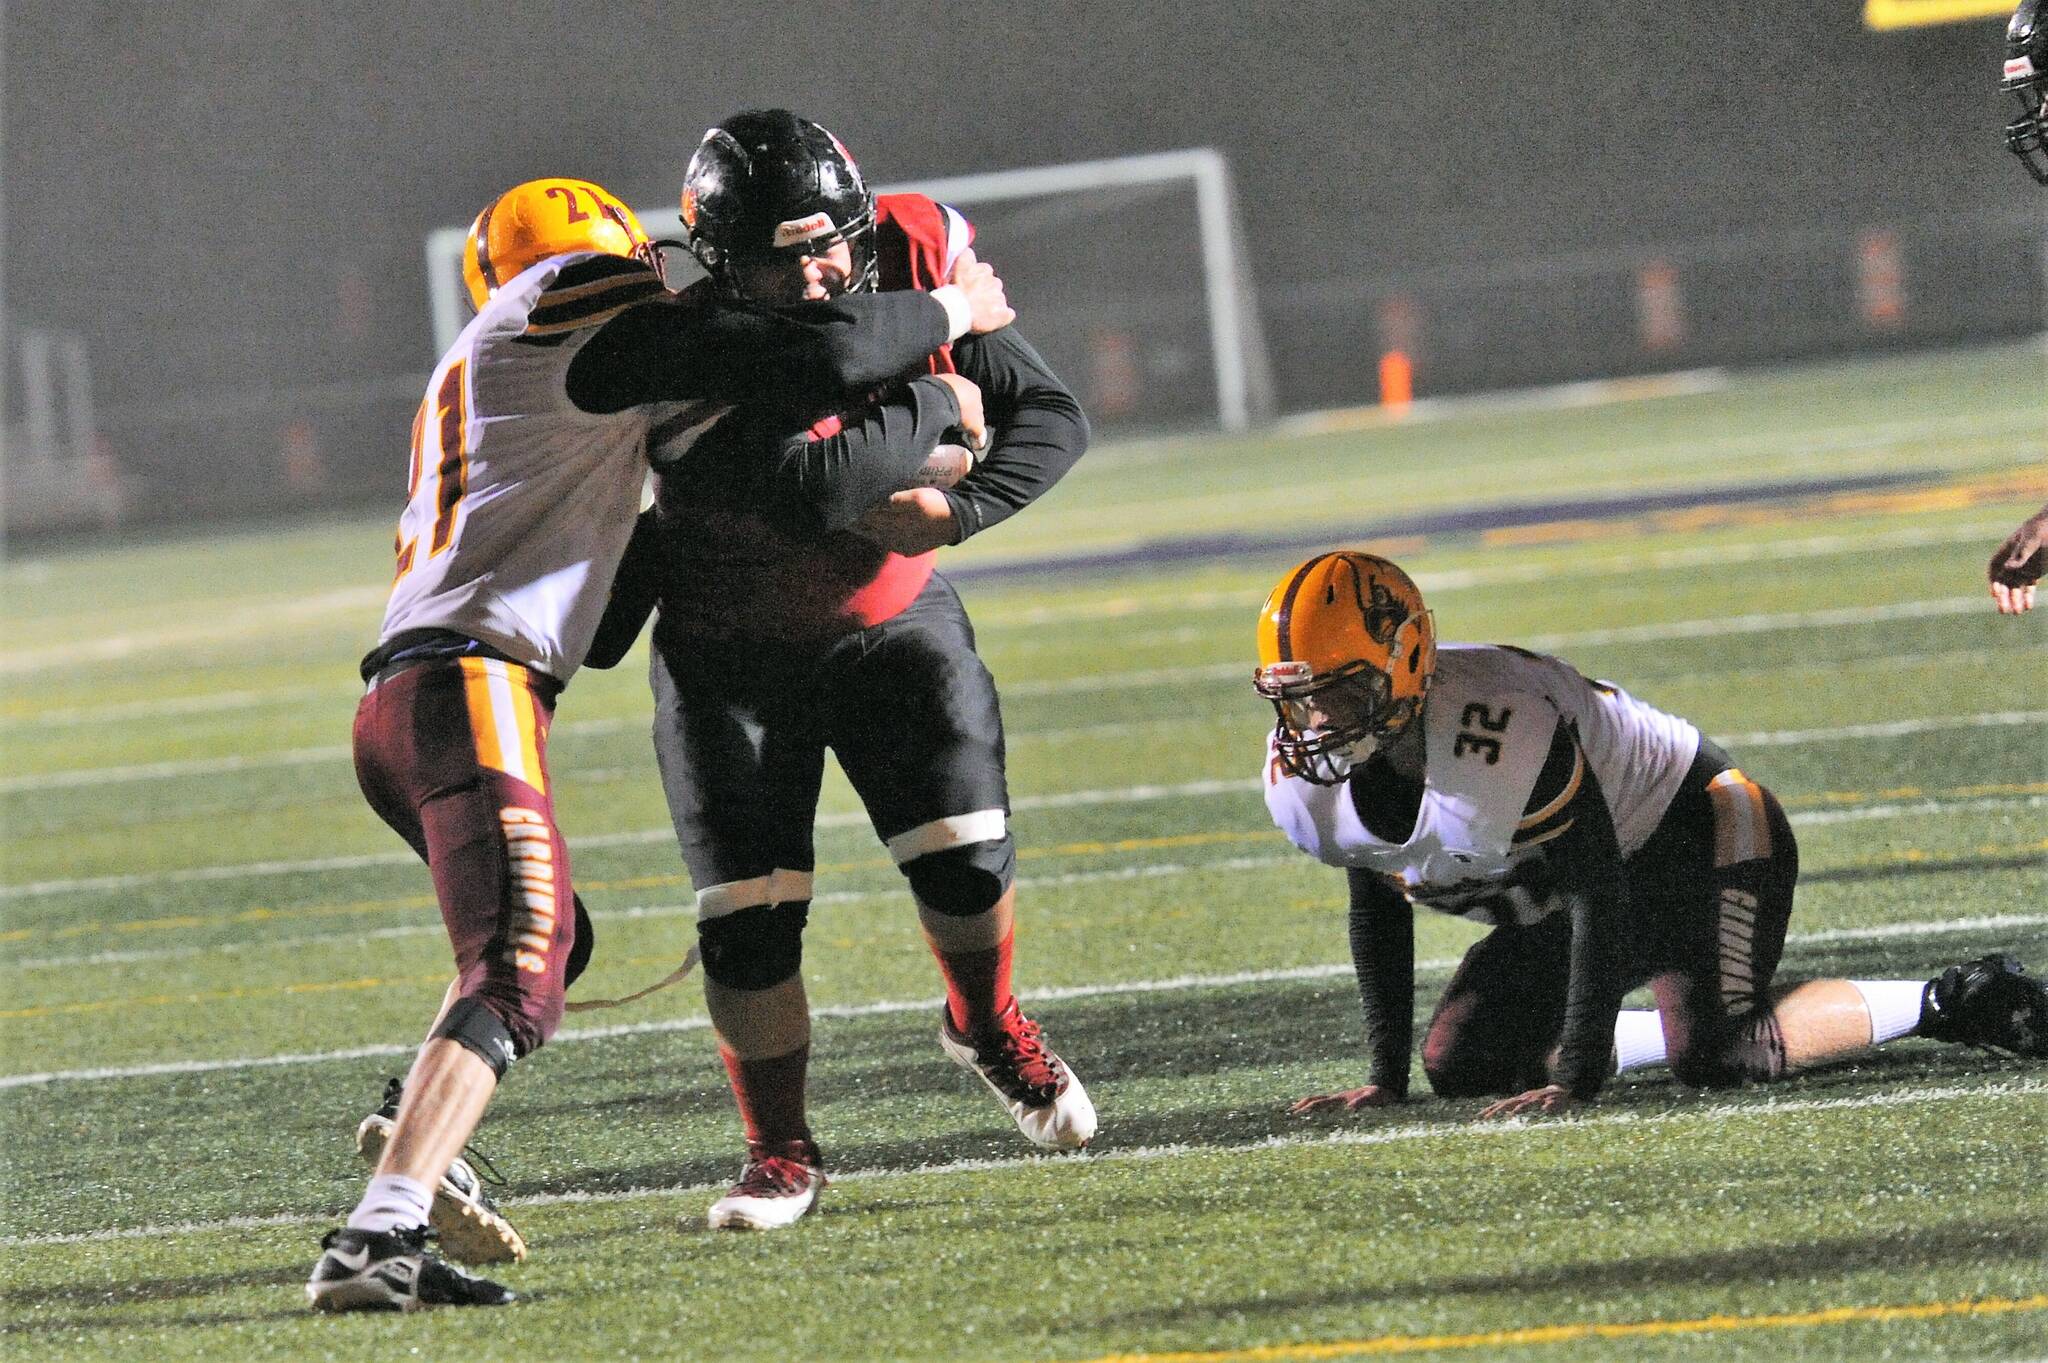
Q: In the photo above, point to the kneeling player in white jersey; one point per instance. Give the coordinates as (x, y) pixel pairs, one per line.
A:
(528, 458)
(1608, 844)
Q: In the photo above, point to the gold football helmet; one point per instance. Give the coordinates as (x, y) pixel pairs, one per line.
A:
(541, 218)
(1346, 651)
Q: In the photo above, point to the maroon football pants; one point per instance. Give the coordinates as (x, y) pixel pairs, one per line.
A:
(452, 753)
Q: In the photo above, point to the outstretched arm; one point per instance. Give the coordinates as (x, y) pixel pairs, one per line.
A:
(803, 357)
(1383, 956)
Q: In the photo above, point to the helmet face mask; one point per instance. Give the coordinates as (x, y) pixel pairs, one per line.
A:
(768, 191)
(1327, 725)
(2026, 76)
(1346, 654)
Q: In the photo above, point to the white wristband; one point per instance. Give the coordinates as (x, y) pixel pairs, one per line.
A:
(959, 313)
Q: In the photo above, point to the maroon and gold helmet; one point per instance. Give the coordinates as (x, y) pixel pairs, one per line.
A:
(541, 218)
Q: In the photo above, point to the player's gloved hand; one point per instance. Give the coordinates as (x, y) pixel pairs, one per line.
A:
(1551, 1098)
(1350, 1100)
(973, 423)
(987, 302)
(2018, 564)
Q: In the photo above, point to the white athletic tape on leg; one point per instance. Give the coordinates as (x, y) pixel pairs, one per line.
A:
(957, 830)
(777, 887)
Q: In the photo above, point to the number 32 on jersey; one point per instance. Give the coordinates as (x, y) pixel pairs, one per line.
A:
(449, 457)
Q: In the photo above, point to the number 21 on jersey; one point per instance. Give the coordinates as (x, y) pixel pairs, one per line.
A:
(446, 414)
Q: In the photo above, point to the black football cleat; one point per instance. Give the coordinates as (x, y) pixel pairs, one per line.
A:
(467, 1222)
(363, 1270)
(1990, 1002)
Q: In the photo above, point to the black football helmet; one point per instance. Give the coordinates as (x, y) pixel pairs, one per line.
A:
(766, 184)
(2026, 75)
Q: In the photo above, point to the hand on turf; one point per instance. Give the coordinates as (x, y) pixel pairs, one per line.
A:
(909, 523)
(2018, 564)
(1350, 1100)
(1550, 1098)
(987, 301)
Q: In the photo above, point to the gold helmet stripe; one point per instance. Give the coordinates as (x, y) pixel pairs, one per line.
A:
(483, 246)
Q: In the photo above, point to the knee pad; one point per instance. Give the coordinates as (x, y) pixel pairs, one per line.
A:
(1751, 1052)
(579, 951)
(754, 948)
(481, 1032)
(965, 880)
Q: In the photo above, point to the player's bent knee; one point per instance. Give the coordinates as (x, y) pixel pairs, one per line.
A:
(1695, 1069)
(964, 880)
(579, 952)
(477, 1026)
(754, 948)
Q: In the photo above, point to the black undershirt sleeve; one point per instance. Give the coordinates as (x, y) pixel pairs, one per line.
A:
(634, 589)
(823, 484)
(1040, 431)
(1585, 863)
(1383, 955)
(804, 357)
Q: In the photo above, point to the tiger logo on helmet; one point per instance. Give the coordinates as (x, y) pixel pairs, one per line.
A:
(1346, 653)
(530, 222)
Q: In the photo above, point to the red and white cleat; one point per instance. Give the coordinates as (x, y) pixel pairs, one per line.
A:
(777, 1186)
(1042, 1095)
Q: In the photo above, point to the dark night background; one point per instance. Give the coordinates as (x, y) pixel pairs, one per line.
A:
(227, 201)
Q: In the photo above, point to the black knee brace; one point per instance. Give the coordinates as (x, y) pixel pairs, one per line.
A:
(966, 880)
(757, 947)
(481, 1032)
(579, 952)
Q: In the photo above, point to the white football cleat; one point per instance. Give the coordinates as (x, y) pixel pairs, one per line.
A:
(1038, 1089)
(468, 1224)
(777, 1187)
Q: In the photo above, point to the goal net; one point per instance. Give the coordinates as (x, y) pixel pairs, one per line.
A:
(1128, 274)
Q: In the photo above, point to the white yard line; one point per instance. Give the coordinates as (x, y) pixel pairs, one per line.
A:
(77, 716)
(853, 818)
(1761, 623)
(1452, 1130)
(889, 1007)
(994, 618)
(248, 622)
(299, 757)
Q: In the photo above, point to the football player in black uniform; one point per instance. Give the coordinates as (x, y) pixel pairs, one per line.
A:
(788, 627)
(2019, 562)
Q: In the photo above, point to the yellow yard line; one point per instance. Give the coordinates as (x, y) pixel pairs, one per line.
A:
(1568, 1334)
(200, 996)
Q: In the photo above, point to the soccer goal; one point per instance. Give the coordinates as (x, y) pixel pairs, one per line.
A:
(1128, 273)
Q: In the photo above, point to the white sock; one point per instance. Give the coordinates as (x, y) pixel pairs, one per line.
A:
(1894, 1007)
(1638, 1039)
(392, 1202)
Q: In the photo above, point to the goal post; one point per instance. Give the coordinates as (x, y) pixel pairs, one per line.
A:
(1121, 269)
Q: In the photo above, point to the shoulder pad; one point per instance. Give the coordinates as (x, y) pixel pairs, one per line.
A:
(589, 291)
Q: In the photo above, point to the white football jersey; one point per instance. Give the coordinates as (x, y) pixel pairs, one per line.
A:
(520, 503)
(1487, 727)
